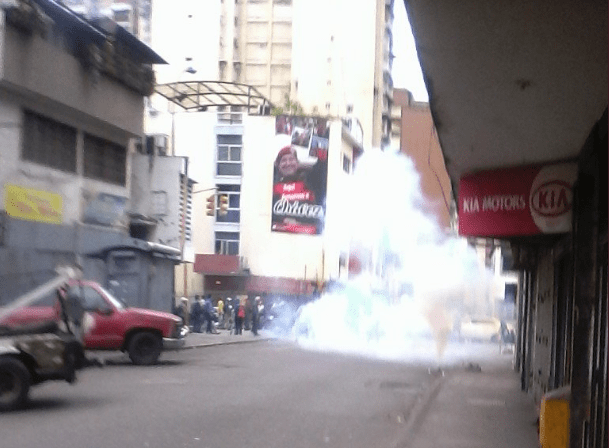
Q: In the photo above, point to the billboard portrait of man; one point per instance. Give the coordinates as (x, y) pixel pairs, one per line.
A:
(300, 173)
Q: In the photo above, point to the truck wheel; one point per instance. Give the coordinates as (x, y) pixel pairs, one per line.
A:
(14, 383)
(145, 348)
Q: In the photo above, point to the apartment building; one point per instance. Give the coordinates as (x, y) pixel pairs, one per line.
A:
(331, 57)
(414, 133)
(261, 60)
(132, 15)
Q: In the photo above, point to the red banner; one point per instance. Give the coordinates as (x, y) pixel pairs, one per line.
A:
(526, 200)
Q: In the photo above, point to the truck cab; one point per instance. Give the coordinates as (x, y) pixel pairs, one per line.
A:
(142, 333)
(112, 325)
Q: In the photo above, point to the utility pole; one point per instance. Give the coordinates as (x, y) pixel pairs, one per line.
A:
(183, 229)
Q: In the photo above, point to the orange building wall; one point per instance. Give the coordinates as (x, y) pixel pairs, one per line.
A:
(419, 141)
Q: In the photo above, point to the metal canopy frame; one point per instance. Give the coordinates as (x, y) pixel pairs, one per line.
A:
(198, 96)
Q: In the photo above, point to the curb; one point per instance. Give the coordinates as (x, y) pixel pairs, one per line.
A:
(211, 344)
(418, 412)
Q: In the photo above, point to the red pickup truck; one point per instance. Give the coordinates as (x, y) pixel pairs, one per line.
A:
(142, 333)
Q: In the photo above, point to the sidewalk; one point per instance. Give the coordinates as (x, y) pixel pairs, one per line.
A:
(194, 340)
(472, 408)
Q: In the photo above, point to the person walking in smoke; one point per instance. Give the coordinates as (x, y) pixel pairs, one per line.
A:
(255, 316)
(229, 321)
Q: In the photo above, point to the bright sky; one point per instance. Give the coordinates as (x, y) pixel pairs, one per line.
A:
(406, 70)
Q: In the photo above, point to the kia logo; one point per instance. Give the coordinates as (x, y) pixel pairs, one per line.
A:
(553, 198)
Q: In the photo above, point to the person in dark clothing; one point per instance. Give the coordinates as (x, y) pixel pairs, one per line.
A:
(196, 315)
(255, 316)
(208, 314)
(239, 317)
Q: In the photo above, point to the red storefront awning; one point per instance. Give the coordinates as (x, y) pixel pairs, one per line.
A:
(217, 264)
(278, 285)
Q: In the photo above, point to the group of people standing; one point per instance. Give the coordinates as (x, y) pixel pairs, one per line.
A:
(233, 315)
(203, 313)
(243, 313)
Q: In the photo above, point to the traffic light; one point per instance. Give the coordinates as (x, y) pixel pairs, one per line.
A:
(211, 205)
(223, 205)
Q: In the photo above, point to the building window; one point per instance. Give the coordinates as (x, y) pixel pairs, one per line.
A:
(122, 16)
(346, 164)
(229, 155)
(234, 203)
(159, 203)
(49, 142)
(227, 243)
(104, 160)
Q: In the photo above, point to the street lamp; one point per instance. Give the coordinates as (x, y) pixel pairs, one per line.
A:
(190, 70)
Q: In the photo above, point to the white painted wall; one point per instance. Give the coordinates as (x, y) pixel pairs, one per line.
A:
(159, 176)
(269, 253)
(195, 139)
(337, 238)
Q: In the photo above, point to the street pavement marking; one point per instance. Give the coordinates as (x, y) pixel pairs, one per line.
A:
(156, 382)
(485, 402)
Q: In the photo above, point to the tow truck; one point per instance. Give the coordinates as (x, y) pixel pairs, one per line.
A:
(33, 353)
(111, 325)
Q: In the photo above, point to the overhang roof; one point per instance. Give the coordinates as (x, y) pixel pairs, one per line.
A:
(140, 52)
(511, 82)
(199, 95)
(97, 30)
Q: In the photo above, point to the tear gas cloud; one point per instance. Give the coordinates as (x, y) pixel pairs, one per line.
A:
(416, 281)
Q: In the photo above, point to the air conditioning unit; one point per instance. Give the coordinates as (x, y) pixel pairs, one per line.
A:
(264, 109)
(160, 143)
(156, 144)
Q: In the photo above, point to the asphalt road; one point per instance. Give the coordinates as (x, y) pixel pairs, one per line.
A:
(265, 394)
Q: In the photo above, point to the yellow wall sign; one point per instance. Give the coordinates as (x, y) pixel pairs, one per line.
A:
(33, 205)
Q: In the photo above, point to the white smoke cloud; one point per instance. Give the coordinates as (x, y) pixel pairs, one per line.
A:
(416, 281)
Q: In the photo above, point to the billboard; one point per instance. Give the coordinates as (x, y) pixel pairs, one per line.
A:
(300, 174)
(33, 205)
(527, 200)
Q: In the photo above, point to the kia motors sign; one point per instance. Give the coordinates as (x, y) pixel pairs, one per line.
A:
(526, 200)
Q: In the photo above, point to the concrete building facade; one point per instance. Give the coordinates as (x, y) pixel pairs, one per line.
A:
(71, 110)
(414, 133)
